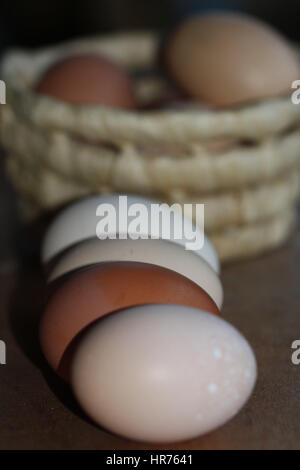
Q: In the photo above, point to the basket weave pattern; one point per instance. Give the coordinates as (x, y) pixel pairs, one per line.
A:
(242, 163)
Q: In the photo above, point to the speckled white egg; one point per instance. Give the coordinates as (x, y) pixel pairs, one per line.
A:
(79, 222)
(162, 373)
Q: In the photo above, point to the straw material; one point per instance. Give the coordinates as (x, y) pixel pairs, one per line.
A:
(235, 243)
(242, 163)
(254, 204)
(147, 168)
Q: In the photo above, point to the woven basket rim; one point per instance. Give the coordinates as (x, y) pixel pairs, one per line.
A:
(253, 120)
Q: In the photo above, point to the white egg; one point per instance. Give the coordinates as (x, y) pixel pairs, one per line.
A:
(80, 221)
(162, 373)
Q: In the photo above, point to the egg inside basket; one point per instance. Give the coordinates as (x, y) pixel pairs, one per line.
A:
(241, 162)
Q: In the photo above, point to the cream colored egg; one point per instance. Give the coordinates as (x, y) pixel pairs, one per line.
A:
(79, 222)
(158, 252)
(225, 59)
(162, 373)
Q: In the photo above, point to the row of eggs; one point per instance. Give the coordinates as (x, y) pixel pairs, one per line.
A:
(134, 325)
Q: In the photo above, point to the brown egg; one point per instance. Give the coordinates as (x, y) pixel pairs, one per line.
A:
(88, 79)
(104, 288)
(224, 59)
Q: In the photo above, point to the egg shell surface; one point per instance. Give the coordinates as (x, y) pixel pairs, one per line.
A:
(88, 79)
(162, 373)
(225, 59)
(101, 289)
(78, 222)
(158, 252)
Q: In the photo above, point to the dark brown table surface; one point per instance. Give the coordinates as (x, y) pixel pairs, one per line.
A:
(37, 411)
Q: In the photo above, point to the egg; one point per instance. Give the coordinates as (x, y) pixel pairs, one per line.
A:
(162, 373)
(79, 221)
(225, 59)
(104, 288)
(88, 79)
(157, 252)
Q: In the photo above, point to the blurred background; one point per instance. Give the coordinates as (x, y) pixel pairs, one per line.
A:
(35, 23)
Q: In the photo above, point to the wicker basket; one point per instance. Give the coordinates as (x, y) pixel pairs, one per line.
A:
(243, 163)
